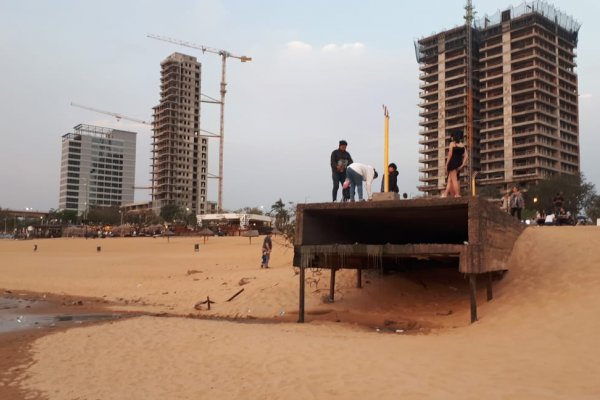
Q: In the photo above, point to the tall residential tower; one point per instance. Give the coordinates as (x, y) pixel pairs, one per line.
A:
(97, 168)
(520, 105)
(179, 161)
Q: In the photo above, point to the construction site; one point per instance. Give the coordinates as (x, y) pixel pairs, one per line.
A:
(509, 82)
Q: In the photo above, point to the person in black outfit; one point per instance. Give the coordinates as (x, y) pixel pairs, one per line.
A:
(392, 179)
(558, 202)
(340, 159)
(457, 159)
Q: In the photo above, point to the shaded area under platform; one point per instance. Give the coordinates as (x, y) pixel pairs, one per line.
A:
(470, 231)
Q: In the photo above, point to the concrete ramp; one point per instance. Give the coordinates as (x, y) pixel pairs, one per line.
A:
(361, 235)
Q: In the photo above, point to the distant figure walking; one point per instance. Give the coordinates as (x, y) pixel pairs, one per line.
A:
(356, 174)
(558, 201)
(456, 161)
(392, 179)
(266, 250)
(505, 206)
(340, 159)
(516, 203)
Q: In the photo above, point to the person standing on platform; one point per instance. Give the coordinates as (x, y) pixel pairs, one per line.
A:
(505, 205)
(340, 159)
(392, 179)
(516, 203)
(356, 174)
(457, 159)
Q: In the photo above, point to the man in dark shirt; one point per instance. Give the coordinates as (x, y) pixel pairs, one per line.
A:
(340, 159)
(558, 202)
(266, 250)
(392, 179)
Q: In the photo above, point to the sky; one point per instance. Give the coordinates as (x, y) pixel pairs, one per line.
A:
(321, 72)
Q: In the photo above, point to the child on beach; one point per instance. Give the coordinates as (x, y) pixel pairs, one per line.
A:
(266, 250)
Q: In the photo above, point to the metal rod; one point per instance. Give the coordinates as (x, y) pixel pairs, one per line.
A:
(490, 294)
(222, 131)
(473, 287)
(386, 149)
(332, 286)
(301, 300)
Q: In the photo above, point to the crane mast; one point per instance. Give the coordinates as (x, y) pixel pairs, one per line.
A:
(224, 54)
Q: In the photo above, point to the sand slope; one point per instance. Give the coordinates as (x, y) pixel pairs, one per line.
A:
(536, 340)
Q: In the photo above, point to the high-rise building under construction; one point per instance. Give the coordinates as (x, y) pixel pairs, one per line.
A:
(509, 82)
(179, 161)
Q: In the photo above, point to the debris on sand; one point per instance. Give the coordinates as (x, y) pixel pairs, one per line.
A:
(245, 281)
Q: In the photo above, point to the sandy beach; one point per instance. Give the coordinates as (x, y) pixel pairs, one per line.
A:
(399, 337)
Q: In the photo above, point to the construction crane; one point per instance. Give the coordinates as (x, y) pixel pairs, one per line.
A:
(116, 115)
(469, 17)
(224, 56)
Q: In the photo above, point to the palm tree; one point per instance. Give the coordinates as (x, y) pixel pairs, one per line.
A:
(282, 215)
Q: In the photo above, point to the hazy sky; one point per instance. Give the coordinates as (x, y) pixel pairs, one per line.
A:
(321, 71)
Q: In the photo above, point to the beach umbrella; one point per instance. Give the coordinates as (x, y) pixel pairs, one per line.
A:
(168, 234)
(250, 233)
(206, 232)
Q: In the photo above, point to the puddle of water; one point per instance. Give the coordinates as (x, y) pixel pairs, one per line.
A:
(19, 314)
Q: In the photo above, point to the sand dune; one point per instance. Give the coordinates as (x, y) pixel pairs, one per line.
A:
(536, 340)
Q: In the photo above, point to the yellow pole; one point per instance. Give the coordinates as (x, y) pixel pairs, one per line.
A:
(386, 149)
(473, 189)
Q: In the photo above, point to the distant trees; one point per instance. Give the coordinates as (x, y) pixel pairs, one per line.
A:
(281, 214)
(62, 216)
(250, 210)
(285, 218)
(103, 215)
(169, 212)
(578, 194)
(592, 207)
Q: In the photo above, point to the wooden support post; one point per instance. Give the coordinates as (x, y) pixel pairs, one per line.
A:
(332, 285)
(301, 300)
(490, 294)
(359, 278)
(473, 285)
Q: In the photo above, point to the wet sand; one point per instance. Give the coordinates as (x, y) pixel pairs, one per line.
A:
(536, 339)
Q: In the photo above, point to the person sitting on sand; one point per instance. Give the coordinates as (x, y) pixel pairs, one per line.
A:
(540, 217)
(266, 250)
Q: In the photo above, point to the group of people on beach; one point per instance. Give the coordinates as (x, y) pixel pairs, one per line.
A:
(351, 175)
(512, 202)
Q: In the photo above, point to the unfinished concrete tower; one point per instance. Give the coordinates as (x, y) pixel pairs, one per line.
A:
(525, 97)
(179, 161)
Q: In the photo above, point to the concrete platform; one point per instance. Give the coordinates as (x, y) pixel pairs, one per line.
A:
(470, 230)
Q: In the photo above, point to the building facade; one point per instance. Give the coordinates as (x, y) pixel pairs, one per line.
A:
(521, 93)
(97, 168)
(180, 153)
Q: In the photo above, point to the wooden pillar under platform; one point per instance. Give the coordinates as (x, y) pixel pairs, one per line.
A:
(473, 286)
(490, 294)
(332, 286)
(359, 278)
(301, 300)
